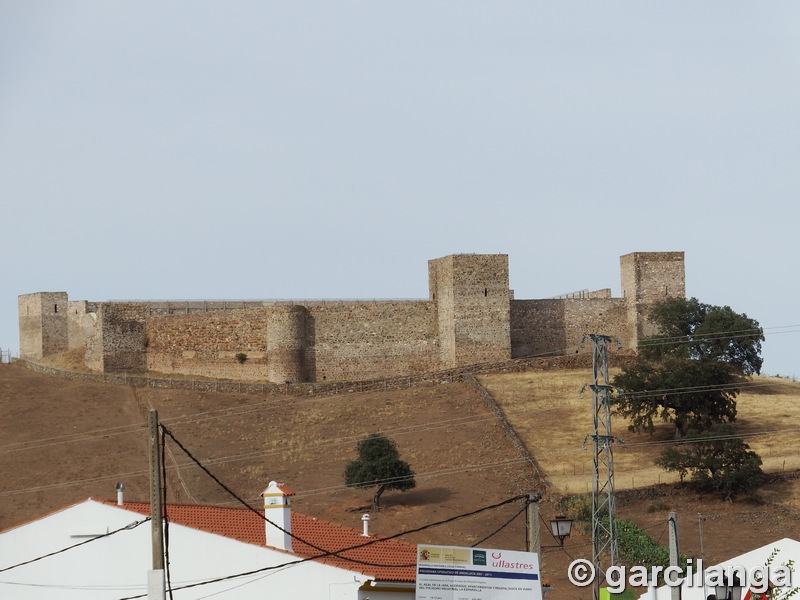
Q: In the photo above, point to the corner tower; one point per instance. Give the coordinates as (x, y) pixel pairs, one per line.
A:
(647, 278)
(286, 343)
(42, 324)
(473, 304)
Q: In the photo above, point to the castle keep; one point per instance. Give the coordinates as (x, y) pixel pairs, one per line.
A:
(471, 316)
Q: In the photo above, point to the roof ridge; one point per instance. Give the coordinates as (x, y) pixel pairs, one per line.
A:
(47, 514)
(372, 557)
(295, 513)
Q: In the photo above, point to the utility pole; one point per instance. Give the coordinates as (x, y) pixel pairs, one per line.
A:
(674, 554)
(700, 519)
(604, 534)
(156, 582)
(534, 542)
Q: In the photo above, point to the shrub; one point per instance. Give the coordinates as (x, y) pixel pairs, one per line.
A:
(578, 507)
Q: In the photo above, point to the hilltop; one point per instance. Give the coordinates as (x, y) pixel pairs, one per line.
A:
(64, 440)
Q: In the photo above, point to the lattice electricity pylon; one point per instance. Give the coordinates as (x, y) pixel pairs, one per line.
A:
(604, 530)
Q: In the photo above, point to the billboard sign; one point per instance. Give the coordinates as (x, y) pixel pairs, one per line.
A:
(455, 573)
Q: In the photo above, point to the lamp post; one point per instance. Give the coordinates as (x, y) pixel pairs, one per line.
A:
(561, 527)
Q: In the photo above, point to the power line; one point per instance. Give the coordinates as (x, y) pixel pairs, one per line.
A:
(503, 526)
(355, 547)
(163, 499)
(70, 438)
(401, 431)
(259, 513)
(136, 428)
(324, 554)
(128, 527)
(52, 486)
(697, 389)
(425, 474)
(690, 338)
(744, 385)
(268, 404)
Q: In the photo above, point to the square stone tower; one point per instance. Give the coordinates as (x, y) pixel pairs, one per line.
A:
(647, 278)
(473, 303)
(42, 324)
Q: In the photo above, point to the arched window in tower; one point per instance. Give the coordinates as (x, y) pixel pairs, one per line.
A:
(485, 292)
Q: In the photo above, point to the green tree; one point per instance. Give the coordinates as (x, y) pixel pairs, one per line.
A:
(378, 465)
(691, 371)
(687, 328)
(717, 461)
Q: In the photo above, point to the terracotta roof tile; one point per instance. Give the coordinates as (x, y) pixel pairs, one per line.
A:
(286, 490)
(246, 526)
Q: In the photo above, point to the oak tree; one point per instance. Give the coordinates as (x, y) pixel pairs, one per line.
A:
(378, 465)
(690, 373)
(717, 461)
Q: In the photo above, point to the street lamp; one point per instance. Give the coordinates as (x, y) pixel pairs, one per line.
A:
(561, 527)
(729, 589)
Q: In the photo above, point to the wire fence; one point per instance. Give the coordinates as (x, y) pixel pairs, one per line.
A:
(5, 355)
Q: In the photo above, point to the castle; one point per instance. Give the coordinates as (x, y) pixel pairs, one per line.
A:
(471, 316)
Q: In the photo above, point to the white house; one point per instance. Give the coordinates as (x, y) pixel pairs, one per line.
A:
(206, 543)
(785, 554)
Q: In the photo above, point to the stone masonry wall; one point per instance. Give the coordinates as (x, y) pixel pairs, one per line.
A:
(206, 344)
(319, 341)
(384, 339)
(482, 309)
(648, 277)
(288, 339)
(440, 282)
(473, 297)
(470, 318)
(540, 327)
(81, 321)
(42, 324)
(119, 341)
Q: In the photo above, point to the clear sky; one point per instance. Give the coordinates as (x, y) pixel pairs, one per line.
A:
(256, 149)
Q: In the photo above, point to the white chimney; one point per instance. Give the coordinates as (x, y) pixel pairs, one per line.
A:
(120, 489)
(365, 520)
(278, 515)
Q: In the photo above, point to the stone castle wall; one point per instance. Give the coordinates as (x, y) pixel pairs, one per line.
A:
(470, 317)
(316, 341)
(384, 338)
(472, 297)
(648, 277)
(118, 342)
(557, 326)
(81, 322)
(206, 344)
(42, 324)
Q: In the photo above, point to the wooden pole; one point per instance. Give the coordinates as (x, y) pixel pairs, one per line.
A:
(674, 553)
(533, 542)
(156, 582)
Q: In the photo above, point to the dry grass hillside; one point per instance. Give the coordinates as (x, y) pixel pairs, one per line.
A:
(62, 441)
(553, 418)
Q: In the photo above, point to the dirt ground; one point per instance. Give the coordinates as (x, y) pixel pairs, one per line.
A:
(62, 441)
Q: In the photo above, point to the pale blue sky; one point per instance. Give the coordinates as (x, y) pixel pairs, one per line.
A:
(239, 149)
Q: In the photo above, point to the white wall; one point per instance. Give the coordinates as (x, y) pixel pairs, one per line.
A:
(116, 567)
